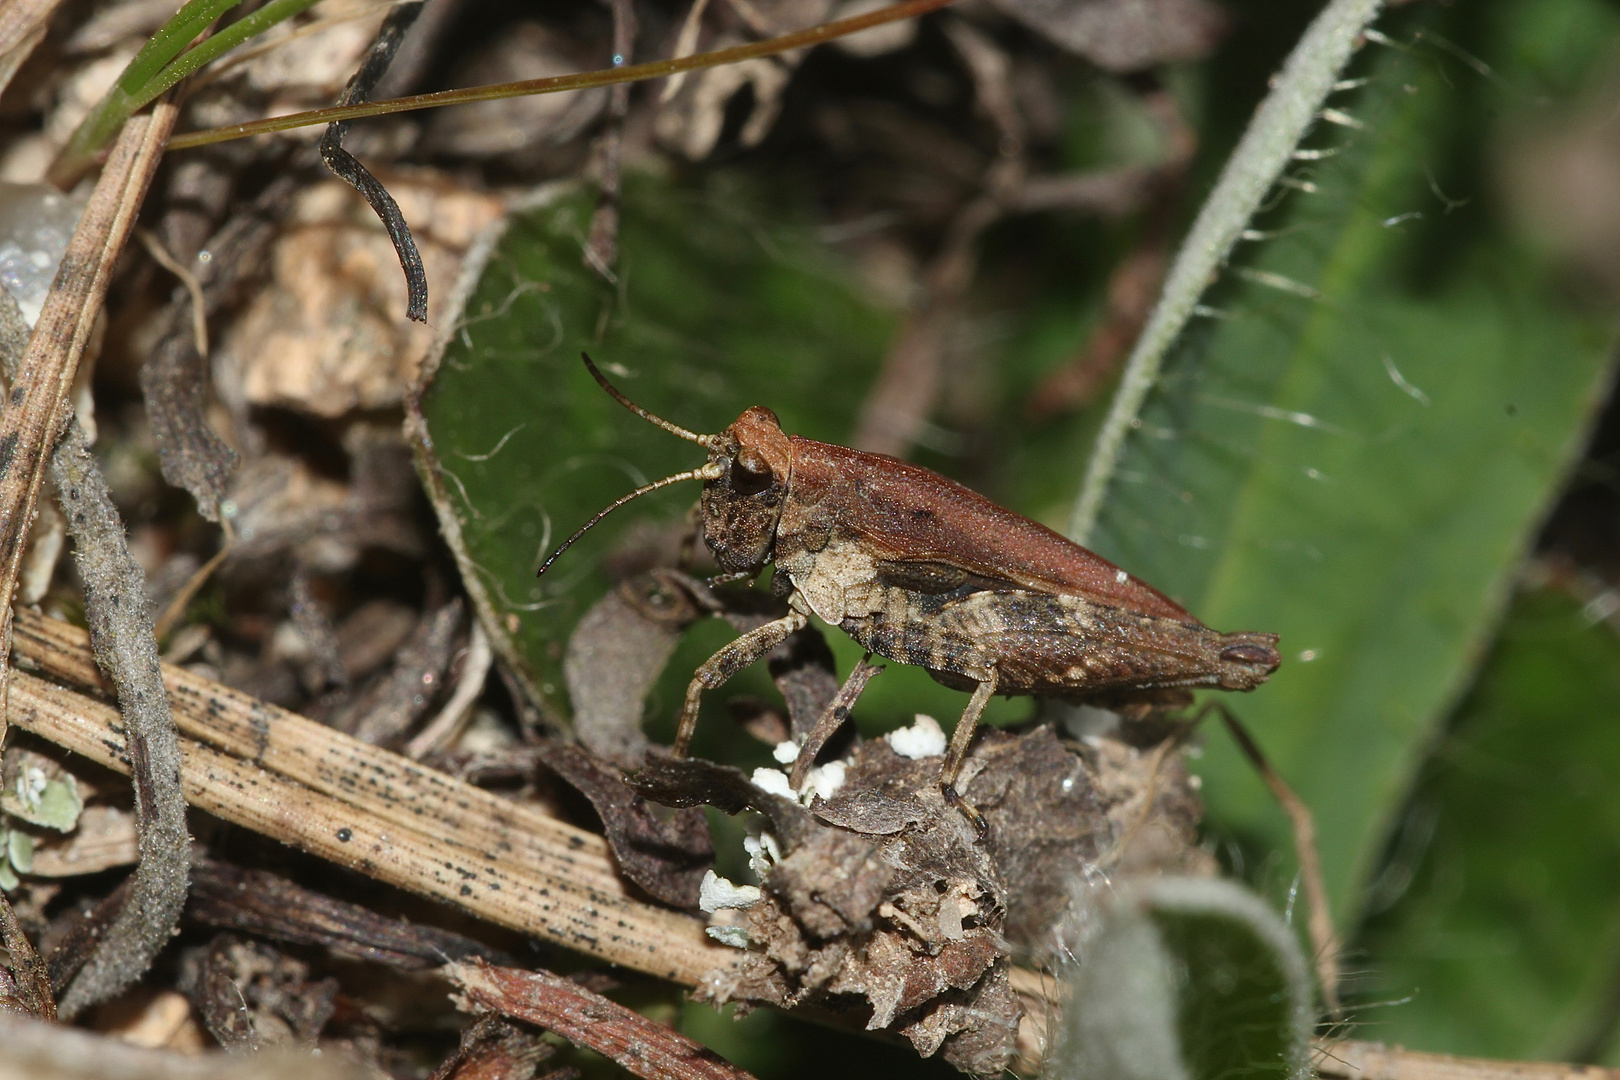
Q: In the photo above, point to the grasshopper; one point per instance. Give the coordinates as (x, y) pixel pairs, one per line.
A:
(921, 570)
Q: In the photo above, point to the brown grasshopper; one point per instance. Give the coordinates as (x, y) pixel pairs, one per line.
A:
(919, 569)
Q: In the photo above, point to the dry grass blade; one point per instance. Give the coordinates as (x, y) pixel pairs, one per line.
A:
(354, 804)
(657, 69)
(642, 1046)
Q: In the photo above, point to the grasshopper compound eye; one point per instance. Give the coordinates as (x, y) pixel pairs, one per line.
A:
(751, 473)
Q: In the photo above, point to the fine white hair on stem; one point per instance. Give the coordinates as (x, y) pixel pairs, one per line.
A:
(1308, 76)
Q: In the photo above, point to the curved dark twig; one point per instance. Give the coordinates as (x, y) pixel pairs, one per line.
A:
(348, 168)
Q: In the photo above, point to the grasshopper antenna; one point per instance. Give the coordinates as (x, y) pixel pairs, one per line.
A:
(712, 471)
(613, 391)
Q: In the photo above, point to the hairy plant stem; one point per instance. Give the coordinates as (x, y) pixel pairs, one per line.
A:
(1307, 78)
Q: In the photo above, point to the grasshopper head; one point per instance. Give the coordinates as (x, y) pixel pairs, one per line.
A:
(742, 504)
(745, 482)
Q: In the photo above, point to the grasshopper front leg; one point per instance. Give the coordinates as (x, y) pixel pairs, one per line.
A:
(727, 662)
(957, 752)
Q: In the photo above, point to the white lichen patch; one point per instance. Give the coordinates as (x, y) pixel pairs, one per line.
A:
(763, 853)
(735, 936)
(718, 894)
(823, 781)
(923, 739)
(774, 781)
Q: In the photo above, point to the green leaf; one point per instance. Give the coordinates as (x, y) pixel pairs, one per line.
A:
(1354, 450)
(20, 851)
(1188, 979)
(1494, 909)
(722, 302)
(719, 305)
(40, 792)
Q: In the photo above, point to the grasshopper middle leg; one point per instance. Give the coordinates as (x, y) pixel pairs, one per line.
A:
(957, 752)
(832, 718)
(727, 662)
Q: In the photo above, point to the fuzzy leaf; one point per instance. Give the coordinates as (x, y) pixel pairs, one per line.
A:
(1355, 450)
(1187, 979)
(40, 792)
(20, 851)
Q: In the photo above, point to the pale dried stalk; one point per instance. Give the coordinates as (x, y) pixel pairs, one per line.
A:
(374, 811)
(1324, 939)
(1351, 1059)
(32, 419)
(30, 1050)
(22, 26)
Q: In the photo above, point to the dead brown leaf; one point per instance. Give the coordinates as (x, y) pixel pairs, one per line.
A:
(324, 337)
(665, 856)
(1124, 35)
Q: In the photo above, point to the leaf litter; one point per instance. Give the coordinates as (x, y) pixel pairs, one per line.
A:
(924, 149)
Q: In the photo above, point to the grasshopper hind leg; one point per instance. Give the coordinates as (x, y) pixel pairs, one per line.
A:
(961, 738)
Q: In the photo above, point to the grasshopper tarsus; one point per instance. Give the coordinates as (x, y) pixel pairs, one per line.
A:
(981, 827)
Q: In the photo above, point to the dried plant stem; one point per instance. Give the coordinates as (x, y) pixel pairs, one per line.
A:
(126, 649)
(438, 731)
(29, 431)
(1351, 1059)
(644, 1047)
(175, 610)
(33, 414)
(199, 308)
(346, 167)
(1266, 148)
(363, 807)
(114, 583)
(602, 249)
